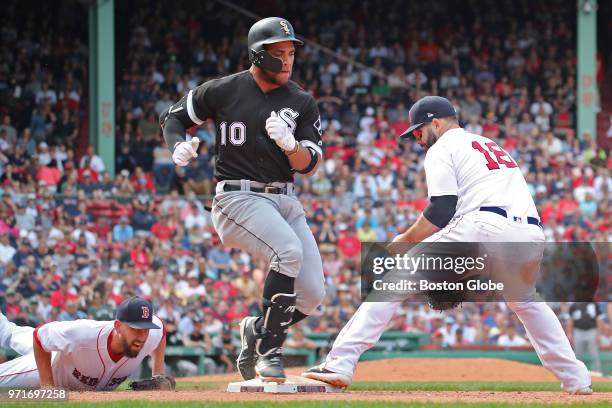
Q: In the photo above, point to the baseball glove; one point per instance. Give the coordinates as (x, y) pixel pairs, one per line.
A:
(158, 382)
(446, 299)
(439, 300)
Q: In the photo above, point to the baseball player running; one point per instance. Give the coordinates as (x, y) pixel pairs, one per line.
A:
(477, 194)
(86, 354)
(267, 128)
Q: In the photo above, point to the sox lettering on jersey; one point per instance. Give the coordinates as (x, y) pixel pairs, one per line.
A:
(92, 382)
(289, 116)
(89, 381)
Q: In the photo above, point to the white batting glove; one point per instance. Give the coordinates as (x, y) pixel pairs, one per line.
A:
(185, 151)
(279, 131)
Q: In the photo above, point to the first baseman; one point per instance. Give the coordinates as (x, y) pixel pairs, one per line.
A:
(267, 128)
(477, 193)
(85, 354)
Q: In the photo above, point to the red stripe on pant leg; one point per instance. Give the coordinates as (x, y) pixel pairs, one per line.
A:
(22, 372)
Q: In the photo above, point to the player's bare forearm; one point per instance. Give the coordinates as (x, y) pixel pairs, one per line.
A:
(157, 358)
(301, 160)
(421, 230)
(43, 363)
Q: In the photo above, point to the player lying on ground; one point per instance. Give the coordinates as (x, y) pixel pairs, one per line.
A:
(267, 128)
(86, 354)
(477, 194)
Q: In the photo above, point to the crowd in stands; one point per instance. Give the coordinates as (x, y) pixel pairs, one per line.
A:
(75, 241)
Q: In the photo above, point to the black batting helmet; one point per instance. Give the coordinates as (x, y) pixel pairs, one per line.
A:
(268, 31)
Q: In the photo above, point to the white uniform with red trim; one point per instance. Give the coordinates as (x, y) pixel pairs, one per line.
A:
(18, 338)
(481, 174)
(81, 356)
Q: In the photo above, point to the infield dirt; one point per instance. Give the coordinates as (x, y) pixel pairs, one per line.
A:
(395, 370)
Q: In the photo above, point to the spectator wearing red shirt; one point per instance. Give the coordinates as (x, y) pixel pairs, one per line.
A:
(567, 206)
(142, 182)
(225, 286)
(62, 294)
(386, 140)
(12, 304)
(420, 204)
(563, 119)
(503, 87)
(490, 128)
(50, 174)
(102, 229)
(238, 311)
(117, 298)
(429, 51)
(576, 233)
(349, 244)
(534, 63)
(341, 151)
(162, 229)
(87, 171)
(400, 125)
(139, 255)
(548, 210)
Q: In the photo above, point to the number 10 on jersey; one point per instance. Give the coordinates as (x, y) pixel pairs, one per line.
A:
(237, 133)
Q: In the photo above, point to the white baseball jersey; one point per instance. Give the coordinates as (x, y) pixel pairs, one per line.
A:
(479, 172)
(81, 356)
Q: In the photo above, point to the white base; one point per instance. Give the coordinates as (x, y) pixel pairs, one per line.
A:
(294, 384)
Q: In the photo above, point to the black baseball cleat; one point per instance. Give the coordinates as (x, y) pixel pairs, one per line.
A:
(269, 368)
(321, 373)
(272, 335)
(247, 357)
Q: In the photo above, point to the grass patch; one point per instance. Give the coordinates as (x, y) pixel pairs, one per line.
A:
(296, 404)
(358, 386)
(467, 386)
(423, 386)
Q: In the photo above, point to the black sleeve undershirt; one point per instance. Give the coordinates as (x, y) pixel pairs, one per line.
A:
(441, 210)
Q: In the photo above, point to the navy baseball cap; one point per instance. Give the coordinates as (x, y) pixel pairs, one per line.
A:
(137, 313)
(425, 110)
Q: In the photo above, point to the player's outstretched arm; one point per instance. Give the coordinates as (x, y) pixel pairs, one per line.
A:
(421, 229)
(43, 363)
(159, 380)
(157, 358)
(436, 216)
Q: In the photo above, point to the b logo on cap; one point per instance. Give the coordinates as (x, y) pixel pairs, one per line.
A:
(145, 312)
